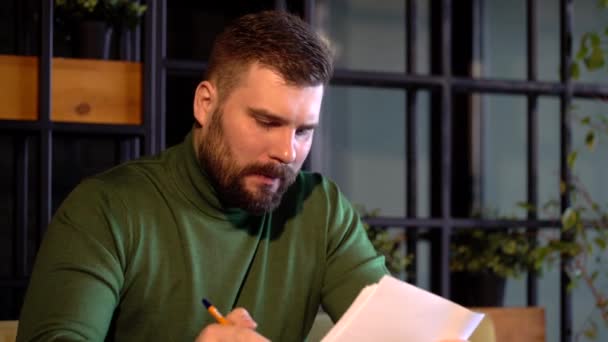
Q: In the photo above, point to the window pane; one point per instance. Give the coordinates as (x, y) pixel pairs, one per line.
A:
(504, 139)
(370, 35)
(548, 46)
(548, 154)
(504, 39)
(361, 145)
(504, 154)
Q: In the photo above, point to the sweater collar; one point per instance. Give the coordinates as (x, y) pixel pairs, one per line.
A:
(194, 183)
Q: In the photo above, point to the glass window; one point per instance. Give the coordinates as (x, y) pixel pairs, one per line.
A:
(504, 39)
(370, 35)
(504, 154)
(361, 145)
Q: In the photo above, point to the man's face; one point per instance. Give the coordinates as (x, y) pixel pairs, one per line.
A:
(255, 142)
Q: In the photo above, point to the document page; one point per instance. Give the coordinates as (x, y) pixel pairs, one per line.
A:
(393, 310)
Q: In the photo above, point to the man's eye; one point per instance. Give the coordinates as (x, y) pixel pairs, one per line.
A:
(303, 131)
(266, 124)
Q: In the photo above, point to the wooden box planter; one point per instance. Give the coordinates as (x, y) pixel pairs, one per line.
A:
(82, 90)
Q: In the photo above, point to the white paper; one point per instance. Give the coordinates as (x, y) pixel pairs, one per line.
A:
(393, 310)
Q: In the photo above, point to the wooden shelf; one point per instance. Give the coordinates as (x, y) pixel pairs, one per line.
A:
(83, 90)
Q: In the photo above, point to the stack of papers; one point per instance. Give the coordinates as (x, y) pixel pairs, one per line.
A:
(393, 310)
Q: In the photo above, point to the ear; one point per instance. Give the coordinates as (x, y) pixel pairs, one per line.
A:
(205, 100)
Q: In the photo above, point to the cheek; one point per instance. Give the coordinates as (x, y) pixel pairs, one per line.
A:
(244, 144)
(302, 150)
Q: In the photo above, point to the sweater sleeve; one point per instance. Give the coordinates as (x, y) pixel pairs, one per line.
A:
(76, 281)
(351, 262)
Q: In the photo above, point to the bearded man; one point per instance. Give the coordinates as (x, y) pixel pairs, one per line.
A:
(227, 215)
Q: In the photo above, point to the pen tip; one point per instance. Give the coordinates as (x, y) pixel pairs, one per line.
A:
(206, 303)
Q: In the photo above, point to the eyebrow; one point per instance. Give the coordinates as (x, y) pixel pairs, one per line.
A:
(269, 116)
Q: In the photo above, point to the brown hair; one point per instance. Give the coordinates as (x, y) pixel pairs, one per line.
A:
(277, 40)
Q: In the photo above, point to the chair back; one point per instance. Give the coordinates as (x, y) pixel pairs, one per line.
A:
(485, 331)
(516, 324)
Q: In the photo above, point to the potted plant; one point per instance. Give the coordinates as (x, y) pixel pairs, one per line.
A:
(92, 22)
(390, 245)
(480, 259)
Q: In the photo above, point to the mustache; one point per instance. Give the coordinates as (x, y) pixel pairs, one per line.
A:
(269, 170)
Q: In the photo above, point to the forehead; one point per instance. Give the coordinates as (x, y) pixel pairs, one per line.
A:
(263, 88)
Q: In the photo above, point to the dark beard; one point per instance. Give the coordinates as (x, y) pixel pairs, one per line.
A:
(229, 180)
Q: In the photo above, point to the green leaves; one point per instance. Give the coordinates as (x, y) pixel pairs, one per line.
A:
(600, 242)
(503, 252)
(590, 54)
(387, 244)
(589, 42)
(586, 121)
(118, 13)
(571, 159)
(590, 140)
(526, 206)
(591, 331)
(570, 219)
(575, 71)
(595, 60)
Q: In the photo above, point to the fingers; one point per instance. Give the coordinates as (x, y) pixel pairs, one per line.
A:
(242, 328)
(241, 318)
(229, 333)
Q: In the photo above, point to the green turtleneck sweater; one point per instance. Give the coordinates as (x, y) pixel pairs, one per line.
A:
(131, 252)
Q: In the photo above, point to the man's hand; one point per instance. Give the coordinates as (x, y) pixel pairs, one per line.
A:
(241, 329)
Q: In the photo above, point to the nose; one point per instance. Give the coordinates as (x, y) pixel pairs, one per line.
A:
(284, 149)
